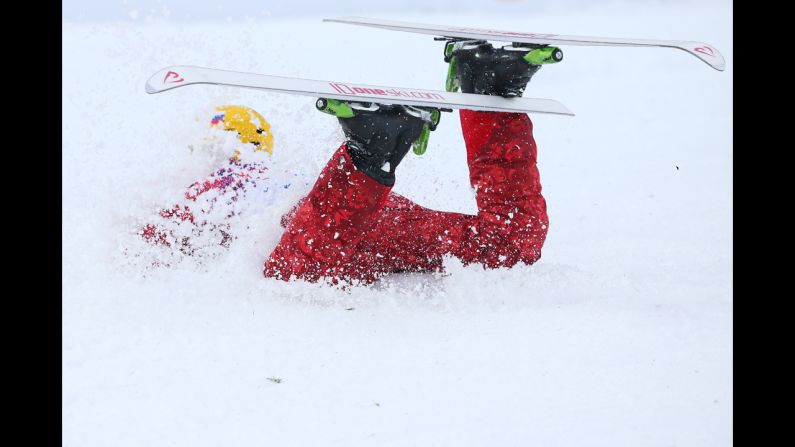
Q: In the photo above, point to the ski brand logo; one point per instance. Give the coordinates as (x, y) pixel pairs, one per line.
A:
(354, 90)
(505, 33)
(705, 50)
(172, 77)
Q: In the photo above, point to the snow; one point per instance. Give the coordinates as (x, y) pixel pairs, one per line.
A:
(620, 335)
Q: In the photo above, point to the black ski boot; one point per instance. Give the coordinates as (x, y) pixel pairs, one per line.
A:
(477, 67)
(380, 135)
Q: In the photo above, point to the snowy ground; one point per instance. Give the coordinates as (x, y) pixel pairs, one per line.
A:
(619, 336)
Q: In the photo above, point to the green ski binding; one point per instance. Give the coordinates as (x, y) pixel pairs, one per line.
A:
(431, 116)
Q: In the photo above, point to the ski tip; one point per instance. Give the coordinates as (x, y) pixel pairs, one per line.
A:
(707, 53)
(167, 79)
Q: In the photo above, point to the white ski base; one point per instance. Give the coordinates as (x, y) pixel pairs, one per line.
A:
(706, 53)
(178, 76)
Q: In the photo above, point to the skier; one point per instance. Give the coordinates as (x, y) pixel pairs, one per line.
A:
(202, 220)
(351, 226)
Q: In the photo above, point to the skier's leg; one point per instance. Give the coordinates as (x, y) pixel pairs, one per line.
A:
(321, 238)
(328, 224)
(409, 237)
(511, 224)
(512, 219)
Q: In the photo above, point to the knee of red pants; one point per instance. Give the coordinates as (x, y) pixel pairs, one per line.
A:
(494, 241)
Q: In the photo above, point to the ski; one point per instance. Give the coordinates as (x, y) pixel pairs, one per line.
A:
(178, 76)
(703, 51)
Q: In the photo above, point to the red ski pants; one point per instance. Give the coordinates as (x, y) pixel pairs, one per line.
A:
(350, 227)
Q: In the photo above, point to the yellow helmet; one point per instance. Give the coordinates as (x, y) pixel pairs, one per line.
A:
(250, 126)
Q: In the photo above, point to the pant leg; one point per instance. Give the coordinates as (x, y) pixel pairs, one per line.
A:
(349, 226)
(512, 219)
(407, 237)
(322, 234)
(511, 224)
